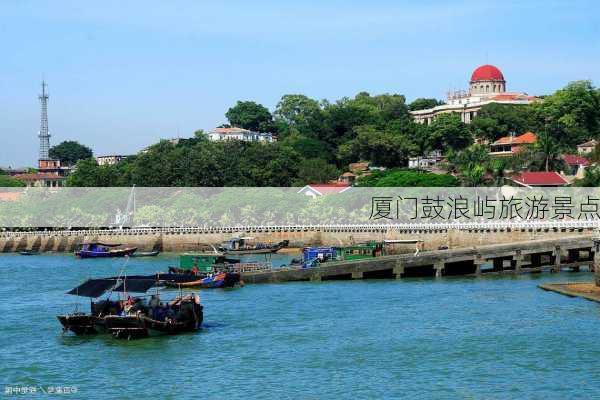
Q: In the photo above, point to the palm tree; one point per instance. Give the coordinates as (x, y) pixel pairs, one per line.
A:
(548, 148)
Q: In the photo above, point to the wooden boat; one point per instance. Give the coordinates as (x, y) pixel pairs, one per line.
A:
(102, 250)
(246, 245)
(185, 315)
(93, 322)
(153, 253)
(220, 280)
(312, 256)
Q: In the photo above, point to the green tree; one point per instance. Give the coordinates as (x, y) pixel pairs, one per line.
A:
(570, 115)
(447, 131)
(549, 150)
(69, 152)
(424, 103)
(296, 113)
(471, 163)
(591, 177)
(384, 148)
(496, 120)
(315, 171)
(406, 178)
(250, 115)
(9, 181)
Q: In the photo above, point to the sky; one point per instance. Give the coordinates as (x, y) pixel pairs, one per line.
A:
(122, 75)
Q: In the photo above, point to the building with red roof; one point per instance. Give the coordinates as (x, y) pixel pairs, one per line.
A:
(575, 165)
(539, 179)
(510, 145)
(322, 189)
(487, 85)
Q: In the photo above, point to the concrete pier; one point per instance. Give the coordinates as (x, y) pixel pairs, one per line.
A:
(509, 258)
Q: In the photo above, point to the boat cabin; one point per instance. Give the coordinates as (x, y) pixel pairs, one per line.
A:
(205, 263)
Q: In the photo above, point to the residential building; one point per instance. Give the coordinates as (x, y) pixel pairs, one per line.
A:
(487, 85)
(427, 161)
(511, 145)
(575, 165)
(245, 135)
(110, 159)
(322, 189)
(587, 147)
(538, 179)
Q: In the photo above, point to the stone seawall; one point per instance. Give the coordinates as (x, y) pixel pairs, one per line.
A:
(179, 242)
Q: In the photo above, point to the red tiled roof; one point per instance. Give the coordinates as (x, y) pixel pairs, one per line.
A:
(540, 179)
(573, 159)
(591, 143)
(487, 73)
(328, 188)
(526, 138)
(512, 96)
(38, 176)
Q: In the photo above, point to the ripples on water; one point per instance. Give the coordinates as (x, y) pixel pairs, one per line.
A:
(491, 338)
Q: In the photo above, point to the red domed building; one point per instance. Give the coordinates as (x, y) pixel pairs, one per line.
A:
(487, 85)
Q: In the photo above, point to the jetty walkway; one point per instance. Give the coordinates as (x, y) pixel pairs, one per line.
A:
(507, 258)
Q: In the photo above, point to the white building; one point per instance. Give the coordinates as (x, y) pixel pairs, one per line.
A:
(487, 85)
(245, 135)
(109, 160)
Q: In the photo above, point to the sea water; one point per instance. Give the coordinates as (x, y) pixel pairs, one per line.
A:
(472, 338)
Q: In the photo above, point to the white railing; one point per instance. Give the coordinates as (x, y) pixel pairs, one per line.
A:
(342, 228)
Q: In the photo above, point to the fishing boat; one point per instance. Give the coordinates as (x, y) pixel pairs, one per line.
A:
(102, 250)
(312, 256)
(82, 323)
(247, 245)
(152, 253)
(219, 280)
(132, 317)
(183, 314)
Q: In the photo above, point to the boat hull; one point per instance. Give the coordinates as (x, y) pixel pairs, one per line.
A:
(82, 324)
(104, 254)
(229, 280)
(140, 326)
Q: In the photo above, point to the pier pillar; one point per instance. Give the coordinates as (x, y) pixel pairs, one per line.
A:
(479, 261)
(398, 269)
(439, 267)
(518, 261)
(357, 274)
(597, 261)
(556, 267)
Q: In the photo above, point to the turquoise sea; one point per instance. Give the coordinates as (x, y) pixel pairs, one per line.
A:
(467, 338)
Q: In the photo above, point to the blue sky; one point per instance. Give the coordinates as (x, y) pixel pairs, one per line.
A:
(123, 74)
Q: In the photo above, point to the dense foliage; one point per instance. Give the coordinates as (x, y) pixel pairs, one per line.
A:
(9, 181)
(407, 178)
(69, 152)
(318, 139)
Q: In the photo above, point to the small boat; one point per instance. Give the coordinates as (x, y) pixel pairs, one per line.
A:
(82, 323)
(247, 245)
(183, 314)
(153, 253)
(102, 250)
(312, 256)
(134, 317)
(29, 252)
(220, 280)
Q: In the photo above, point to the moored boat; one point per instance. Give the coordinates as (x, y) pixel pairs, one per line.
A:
(152, 253)
(82, 323)
(219, 280)
(183, 314)
(102, 250)
(247, 245)
(29, 252)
